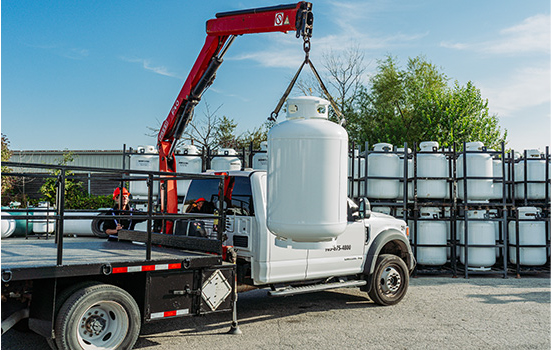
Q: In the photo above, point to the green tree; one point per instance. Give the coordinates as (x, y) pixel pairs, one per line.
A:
(256, 136)
(225, 133)
(417, 104)
(75, 195)
(7, 182)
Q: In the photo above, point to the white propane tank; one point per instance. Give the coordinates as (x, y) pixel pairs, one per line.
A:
(479, 164)
(402, 155)
(226, 160)
(260, 159)
(431, 165)
(480, 233)
(382, 209)
(356, 186)
(45, 225)
(493, 213)
(307, 176)
(383, 163)
(8, 226)
(431, 232)
(497, 167)
(530, 233)
(535, 168)
(146, 158)
(78, 227)
(188, 160)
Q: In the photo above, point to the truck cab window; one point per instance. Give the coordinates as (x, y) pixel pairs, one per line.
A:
(238, 198)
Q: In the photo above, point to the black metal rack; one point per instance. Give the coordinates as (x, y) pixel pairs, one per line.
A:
(499, 209)
(543, 204)
(151, 215)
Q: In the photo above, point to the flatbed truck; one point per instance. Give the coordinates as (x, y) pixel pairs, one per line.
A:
(94, 293)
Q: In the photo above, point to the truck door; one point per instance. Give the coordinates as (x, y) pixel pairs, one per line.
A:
(343, 258)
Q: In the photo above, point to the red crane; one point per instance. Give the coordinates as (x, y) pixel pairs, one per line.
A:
(221, 31)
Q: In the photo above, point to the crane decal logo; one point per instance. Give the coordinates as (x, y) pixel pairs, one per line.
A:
(279, 19)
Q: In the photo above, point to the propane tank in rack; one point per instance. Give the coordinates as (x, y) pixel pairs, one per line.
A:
(531, 232)
(535, 171)
(260, 159)
(383, 163)
(226, 160)
(479, 164)
(431, 232)
(146, 158)
(188, 160)
(433, 165)
(480, 232)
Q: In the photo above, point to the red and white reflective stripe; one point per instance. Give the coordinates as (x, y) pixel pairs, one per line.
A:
(166, 314)
(147, 268)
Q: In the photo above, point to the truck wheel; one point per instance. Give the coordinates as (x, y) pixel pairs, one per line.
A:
(61, 298)
(389, 280)
(97, 228)
(98, 316)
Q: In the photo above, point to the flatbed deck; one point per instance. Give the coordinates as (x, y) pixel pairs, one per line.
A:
(34, 258)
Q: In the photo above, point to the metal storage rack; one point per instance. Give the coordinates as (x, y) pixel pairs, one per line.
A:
(467, 205)
(544, 205)
(443, 204)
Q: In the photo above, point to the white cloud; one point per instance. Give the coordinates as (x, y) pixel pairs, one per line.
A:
(283, 50)
(530, 36)
(63, 51)
(146, 64)
(527, 87)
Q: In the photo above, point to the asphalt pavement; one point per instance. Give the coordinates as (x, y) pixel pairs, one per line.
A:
(437, 313)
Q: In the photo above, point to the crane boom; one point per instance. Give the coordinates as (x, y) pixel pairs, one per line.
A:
(221, 31)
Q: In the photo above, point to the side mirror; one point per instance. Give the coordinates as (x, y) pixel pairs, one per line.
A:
(365, 208)
(353, 214)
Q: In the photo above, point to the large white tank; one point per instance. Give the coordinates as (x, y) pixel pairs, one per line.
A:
(479, 164)
(44, 225)
(227, 160)
(480, 233)
(78, 227)
(431, 232)
(530, 233)
(431, 165)
(8, 226)
(260, 159)
(307, 175)
(535, 168)
(146, 158)
(356, 187)
(383, 163)
(382, 209)
(497, 167)
(188, 160)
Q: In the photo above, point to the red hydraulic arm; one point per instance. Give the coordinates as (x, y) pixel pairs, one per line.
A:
(221, 32)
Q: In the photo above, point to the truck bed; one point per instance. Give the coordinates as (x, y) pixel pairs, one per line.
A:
(35, 258)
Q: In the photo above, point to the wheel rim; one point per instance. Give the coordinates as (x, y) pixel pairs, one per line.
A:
(391, 281)
(103, 326)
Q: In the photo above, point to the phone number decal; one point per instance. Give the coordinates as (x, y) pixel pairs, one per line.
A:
(339, 248)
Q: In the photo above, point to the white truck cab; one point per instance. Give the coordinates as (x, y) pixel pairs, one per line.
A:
(373, 253)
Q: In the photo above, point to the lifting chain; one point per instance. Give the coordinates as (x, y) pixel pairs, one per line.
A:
(306, 46)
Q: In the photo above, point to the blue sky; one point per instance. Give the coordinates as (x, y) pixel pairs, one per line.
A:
(86, 75)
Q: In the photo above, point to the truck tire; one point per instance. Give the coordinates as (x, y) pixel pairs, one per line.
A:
(390, 280)
(98, 316)
(97, 228)
(61, 298)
